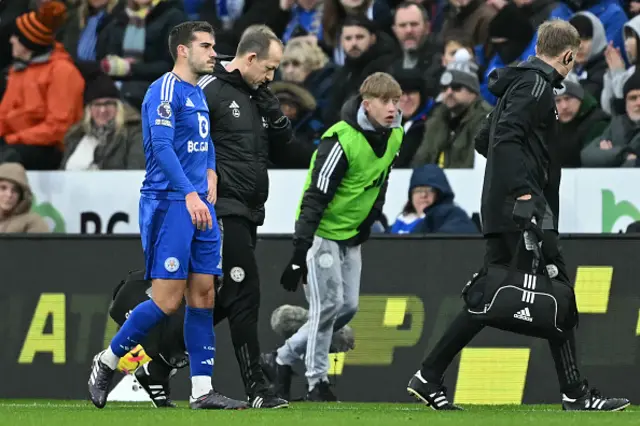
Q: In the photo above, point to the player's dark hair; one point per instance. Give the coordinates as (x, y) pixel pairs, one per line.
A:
(185, 33)
(257, 39)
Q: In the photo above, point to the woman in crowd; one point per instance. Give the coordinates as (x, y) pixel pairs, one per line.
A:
(430, 208)
(109, 136)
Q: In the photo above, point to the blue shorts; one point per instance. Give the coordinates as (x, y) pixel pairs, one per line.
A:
(172, 245)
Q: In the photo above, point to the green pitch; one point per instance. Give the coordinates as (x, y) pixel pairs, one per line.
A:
(71, 413)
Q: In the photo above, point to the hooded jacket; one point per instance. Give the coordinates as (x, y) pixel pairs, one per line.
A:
(614, 80)
(521, 157)
(444, 216)
(591, 74)
(21, 219)
(624, 135)
(588, 123)
(244, 141)
(42, 101)
(328, 170)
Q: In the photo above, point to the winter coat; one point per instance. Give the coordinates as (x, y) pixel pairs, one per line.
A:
(21, 219)
(42, 101)
(591, 74)
(444, 216)
(123, 152)
(448, 141)
(156, 59)
(245, 142)
(624, 134)
(521, 156)
(614, 80)
(589, 123)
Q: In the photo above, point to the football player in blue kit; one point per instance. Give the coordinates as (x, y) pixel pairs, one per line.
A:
(179, 231)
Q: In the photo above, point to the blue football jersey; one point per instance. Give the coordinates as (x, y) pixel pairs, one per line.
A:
(177, 140)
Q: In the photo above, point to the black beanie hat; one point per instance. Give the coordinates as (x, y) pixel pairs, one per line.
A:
(100, 86)
(511, 23)
(633, 83)
(411, 80)
(360, 21)
(584, 26)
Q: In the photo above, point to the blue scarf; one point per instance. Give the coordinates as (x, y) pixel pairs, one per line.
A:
(89, 38)
(310, 20)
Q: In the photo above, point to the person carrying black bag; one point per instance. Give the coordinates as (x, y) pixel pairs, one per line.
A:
(523, 286)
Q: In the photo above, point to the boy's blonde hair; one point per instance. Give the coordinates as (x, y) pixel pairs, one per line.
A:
(380, 85)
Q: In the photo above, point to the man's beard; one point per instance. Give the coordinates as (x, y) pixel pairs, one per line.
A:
(199, 70)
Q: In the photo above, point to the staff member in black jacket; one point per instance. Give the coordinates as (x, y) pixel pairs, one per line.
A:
(522, 182)
(248, 129)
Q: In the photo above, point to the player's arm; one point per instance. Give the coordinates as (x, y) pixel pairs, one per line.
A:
(161, 109)
(328, 171)
(211, 159)
(517, 119)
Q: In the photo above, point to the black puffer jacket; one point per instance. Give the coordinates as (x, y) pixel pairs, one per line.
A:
(244, 142)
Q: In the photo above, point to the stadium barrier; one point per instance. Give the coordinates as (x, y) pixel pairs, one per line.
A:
(55, 291)
(591, 200)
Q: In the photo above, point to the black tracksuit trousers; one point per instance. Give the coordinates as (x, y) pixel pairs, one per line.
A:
(500, 250)
(238, 298)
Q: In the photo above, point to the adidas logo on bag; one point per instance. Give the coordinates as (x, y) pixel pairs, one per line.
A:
(524, 315)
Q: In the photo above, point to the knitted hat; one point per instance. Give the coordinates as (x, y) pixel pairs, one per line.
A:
(571, 87)
(633, 83)
(462, 72)
(100, 86)
(37, 30)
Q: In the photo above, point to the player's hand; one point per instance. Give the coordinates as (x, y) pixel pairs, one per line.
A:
(200, 214)
(212, 186)
(295, 271)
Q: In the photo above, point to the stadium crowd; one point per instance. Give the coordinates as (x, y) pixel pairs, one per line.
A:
(74, 74)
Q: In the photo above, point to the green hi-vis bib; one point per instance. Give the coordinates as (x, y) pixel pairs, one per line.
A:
(361, 185)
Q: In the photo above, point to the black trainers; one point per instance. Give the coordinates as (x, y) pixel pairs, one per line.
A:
(594, 401)
(264, 397)
(99, 381)
(321, 392)
(157, 388)
(214, 400)
(280, 376)
(433, 395)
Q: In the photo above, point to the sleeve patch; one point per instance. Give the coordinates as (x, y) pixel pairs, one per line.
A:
(164, 110)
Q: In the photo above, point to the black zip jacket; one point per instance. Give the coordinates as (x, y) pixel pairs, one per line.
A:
(244, 141)
(330, 167)
(521, 158)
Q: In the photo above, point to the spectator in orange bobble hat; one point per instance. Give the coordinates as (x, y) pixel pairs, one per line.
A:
(44, 91)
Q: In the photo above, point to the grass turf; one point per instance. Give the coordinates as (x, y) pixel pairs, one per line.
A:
(71, 413)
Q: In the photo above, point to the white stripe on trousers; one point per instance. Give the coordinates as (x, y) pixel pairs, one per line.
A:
(314, 302)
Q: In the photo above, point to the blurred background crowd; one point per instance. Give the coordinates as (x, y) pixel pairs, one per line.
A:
(73, 76)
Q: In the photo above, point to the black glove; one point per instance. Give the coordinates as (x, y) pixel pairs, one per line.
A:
(523, 212)
(268, 104)
(295, 270)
